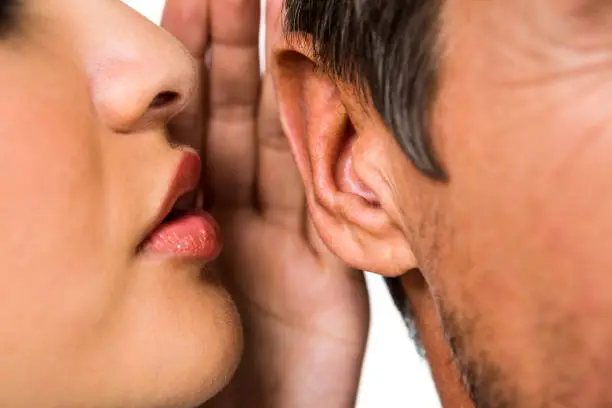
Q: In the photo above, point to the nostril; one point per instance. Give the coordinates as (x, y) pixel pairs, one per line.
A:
(164, 99)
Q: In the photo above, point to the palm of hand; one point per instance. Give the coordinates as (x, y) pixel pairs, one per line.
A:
(281, 275)
(284, 281)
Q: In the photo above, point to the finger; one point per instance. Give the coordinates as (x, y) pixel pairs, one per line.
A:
(234, 92)
(188, 126)
(273, 25)
(279, 185)
(187, 20)
(281, 193)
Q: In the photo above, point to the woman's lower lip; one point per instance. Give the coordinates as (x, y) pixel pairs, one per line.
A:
(192, 236)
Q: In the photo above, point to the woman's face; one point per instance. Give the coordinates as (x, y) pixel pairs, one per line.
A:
(92, 314)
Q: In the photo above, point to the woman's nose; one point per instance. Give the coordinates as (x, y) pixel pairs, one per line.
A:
(140, 76)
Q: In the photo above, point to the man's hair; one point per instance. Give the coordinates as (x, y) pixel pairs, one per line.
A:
(401, 303)
(388, 49)
(8, 16)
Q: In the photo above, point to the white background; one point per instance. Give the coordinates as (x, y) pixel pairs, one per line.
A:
(394, 375)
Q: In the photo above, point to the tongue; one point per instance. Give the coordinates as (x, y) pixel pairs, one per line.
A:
(194, 235)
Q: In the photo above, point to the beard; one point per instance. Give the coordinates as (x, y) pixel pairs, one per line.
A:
(482, 378)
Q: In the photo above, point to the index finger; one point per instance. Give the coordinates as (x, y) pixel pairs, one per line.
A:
(188, 21)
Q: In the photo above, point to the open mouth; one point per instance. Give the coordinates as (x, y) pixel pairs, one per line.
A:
(174, 214)
(178, 233)
(189, 234)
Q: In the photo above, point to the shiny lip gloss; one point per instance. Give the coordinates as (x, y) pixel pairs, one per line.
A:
(193, 235)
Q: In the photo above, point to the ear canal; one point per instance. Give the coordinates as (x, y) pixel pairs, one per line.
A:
(347, 180)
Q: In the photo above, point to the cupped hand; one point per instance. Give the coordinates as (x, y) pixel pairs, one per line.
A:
(305, 314)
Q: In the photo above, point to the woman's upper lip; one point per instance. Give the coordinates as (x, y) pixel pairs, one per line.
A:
(185, 179)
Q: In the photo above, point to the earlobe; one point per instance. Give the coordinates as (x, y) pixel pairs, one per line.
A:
(346, 211)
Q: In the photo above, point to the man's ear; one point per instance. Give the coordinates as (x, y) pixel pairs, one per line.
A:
(348, 207)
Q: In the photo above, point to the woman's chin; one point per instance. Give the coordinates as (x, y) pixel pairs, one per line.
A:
(178, 345)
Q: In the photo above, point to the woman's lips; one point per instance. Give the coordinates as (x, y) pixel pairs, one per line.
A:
(193, 235)
(174, 233)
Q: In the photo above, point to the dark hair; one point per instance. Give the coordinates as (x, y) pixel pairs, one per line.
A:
(401, 303)
(388, 49)
(8, 17)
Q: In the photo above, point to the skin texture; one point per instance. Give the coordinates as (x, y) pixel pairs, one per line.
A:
(451, 392)
(92, 322)
(304, 312)
(514, 248)
(111, 327)
(87, 321)
(347, 218)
